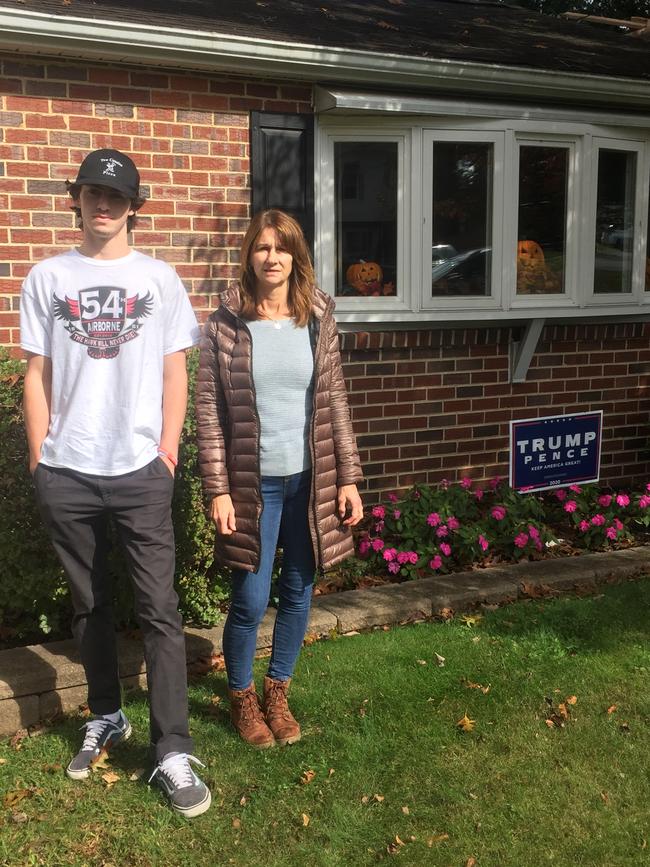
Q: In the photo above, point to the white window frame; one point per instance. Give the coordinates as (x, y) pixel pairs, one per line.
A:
(326, 223)
(582, 133)
(496, 139)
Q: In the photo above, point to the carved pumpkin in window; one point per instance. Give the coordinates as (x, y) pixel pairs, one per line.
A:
(365, 277)
(532, 274)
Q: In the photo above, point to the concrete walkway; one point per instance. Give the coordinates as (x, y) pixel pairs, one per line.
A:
(40, 682)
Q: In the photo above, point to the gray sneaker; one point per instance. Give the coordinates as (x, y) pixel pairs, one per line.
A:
(101, 734)
(187, 794)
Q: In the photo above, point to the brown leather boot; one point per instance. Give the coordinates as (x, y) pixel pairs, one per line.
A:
(276, 710)
(247, 718)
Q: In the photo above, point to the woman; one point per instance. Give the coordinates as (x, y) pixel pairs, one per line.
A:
(278, 459)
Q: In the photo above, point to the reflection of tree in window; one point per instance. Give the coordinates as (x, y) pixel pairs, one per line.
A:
(542, 219)
(615, 221)
(462, 206)
(366, 217)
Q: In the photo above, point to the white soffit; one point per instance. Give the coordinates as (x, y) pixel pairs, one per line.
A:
(68, 36)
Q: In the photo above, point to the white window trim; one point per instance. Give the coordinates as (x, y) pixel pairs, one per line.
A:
(412, 304)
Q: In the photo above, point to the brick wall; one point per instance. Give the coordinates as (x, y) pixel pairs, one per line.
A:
(190, 135)
(426, 404)
(436, 404)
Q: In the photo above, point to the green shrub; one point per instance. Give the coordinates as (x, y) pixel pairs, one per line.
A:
(34, 598)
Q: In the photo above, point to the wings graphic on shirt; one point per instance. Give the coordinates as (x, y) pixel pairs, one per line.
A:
(67, 309)
(137, 307)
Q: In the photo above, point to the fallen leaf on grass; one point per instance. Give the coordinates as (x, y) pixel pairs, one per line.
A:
(421, 661)
(17, 740)
(331, 771)
(611, 709)
(445, 614)
(19, 818)
(465, 724)
(13, 798)
(604, 797)
(437, 838)
(236, 823)
(305, 820)
(471, 619)
(406, 811)
(137, 775)
(378, 798)
(110, 778)
(242, 801)
(572, 699)
(362, 709)
(3, 761)
(101, 761)
(52, 769)
(394, 847)
(440, 660)
(307, 777)
(310, 639)
(469, 684)
(624, 728)
(471, 861)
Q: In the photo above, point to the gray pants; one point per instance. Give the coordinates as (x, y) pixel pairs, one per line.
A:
(75, 507)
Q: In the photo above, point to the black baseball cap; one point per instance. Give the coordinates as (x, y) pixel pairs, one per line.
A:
(110, 168)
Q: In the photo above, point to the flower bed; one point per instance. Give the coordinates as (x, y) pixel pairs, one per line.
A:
(451, 527)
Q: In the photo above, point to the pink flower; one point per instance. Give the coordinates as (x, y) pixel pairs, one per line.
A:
(495, 482)
(378, 512)
(483, 543)
(644, 501)
(445, 548)
(604, 500)
(521, 540)
(560, 494)
(611, 532)
(618, 524)
(478, 493)
(498, 513)
(379, 527)
(575, 488)
(433, 519)
(533, 532)
(377, 544)
(538, 544)
(393, 567)
(397, 514)
(389, 554)
(584, 526)
(598, 520)
(413, 557)
(436, 563)
(570, 506)
(453, 523)
(392, 498)
(441, 532)
(623, 500)
(466, 483)
(402, 557)
(364, 547)
(416, 495)
(647, 487)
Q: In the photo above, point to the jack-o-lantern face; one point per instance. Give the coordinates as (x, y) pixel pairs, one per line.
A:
(530, 253)
(364, 275)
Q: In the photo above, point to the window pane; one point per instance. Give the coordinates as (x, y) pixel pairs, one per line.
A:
(615, 221)
(647, 254)
(541, 247)
(366, 218)
(461, 219)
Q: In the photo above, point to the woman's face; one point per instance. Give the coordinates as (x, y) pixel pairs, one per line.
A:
(270, 261)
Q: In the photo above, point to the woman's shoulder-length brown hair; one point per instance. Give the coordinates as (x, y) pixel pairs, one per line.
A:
(302, 281)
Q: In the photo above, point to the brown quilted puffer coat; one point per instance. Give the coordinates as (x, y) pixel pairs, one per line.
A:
(228, 434)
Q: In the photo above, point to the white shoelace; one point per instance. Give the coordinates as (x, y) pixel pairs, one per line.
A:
(178, 769)
(94, 730)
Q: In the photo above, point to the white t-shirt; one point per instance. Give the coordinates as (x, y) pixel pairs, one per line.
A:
(106, 325)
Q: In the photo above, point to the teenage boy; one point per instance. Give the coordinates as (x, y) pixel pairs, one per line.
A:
(105, 329)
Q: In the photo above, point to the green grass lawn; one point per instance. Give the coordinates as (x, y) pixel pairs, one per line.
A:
(393, 776)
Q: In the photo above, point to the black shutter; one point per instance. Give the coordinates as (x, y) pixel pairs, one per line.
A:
(282, 165)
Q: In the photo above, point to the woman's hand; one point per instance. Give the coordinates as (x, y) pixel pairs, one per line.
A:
(349, 502)
(222, 513)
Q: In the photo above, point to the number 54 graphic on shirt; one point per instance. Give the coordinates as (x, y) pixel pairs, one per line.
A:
(103, 312)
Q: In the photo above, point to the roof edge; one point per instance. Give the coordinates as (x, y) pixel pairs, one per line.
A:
(141, 44)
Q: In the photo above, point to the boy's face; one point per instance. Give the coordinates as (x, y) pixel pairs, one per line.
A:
(104, 211)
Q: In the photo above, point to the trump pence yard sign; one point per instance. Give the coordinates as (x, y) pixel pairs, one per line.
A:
(555, 451)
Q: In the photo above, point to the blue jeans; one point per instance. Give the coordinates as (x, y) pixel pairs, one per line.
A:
(284, 521)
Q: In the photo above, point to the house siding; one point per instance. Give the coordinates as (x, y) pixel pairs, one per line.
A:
(427, 404)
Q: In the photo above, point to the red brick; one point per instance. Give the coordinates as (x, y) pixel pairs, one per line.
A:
(211, 101)
(11, 85)
(186, 82)
(89, 124)
(108, 75)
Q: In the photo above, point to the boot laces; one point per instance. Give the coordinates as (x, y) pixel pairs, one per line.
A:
(250, 706)
(178, 769)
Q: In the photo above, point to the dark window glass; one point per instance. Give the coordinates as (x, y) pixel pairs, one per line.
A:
(615, 221)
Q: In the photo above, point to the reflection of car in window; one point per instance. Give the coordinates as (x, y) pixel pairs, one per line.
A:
(464, 274)
(441, 253)
(618, 238)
